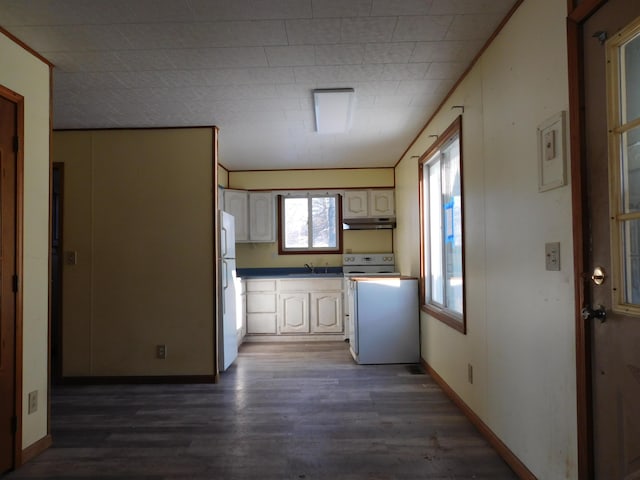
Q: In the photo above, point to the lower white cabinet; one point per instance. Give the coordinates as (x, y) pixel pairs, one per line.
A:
(326, 312)
(261, 306)
(285, 306)
(294, 313)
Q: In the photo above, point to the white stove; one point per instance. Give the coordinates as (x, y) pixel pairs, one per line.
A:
(368, 264)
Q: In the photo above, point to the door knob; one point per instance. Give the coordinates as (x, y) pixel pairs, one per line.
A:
(598, 276)
(598, 312)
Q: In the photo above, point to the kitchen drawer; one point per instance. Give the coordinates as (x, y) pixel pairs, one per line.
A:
(310, 285)
(261, 302)
(267, 285)
(261, 323)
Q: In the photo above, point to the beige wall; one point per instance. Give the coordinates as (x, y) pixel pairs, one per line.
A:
(263, 255)
(327, 178)
(28, 76)
(138, 212)
(520, 338)
(223, 176)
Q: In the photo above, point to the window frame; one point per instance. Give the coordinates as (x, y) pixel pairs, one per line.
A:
(445, 315)
(282, 250)
(621, 217)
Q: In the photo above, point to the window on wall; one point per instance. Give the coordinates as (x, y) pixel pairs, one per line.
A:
(442, 232)
(309, 224)
(623, 65)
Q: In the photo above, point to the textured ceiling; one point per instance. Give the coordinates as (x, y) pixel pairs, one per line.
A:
(249, 67)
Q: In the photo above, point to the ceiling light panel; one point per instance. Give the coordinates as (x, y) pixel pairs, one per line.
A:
(333, 109)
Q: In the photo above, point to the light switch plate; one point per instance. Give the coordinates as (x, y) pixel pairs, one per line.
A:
(71, 257)
(552, 256)
(32, 407)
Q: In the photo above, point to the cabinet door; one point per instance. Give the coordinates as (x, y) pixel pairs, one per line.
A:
(236, 202)
(241, 309)
(294, 313)
(355, 203)
(261, 217)
(381, 203)
(326, 312)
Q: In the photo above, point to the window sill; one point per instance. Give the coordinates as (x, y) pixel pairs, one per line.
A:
(445, 317)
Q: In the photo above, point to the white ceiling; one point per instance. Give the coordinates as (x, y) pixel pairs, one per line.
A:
(249, 67)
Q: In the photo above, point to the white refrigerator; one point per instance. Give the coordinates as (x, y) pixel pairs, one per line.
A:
(227, 326)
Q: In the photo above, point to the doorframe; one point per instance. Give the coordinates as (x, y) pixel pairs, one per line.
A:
(18, 332)
(578, 12)
(55, 371)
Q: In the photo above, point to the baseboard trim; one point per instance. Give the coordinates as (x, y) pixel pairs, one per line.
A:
(132, 379)
(35, 449)
(507, 455)
(329, 337)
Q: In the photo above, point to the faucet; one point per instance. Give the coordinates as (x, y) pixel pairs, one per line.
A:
(309, 267)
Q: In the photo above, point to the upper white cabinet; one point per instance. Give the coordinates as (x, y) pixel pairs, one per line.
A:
(261, 217)
(381, 203)
(368, 203)
(355, 204)
(254, 213)
(236, 202)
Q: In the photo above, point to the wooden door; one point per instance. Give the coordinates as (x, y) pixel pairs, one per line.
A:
(8, 164)
(612, 148)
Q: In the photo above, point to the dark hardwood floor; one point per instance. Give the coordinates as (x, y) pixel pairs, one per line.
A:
(283, 411)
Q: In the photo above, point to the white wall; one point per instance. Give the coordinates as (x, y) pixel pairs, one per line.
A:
(28, 76)
(520, 337)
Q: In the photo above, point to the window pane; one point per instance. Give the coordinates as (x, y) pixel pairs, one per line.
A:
(631, 170)
(451, 195)
(296, 227)
(435, 233)
(631, 248)
(631, 94)
(324, 222)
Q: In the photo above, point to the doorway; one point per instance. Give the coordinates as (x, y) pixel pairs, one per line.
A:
(10, 340)
(57, 184)
(604, 61)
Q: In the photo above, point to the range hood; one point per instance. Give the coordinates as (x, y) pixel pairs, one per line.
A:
(371, 223)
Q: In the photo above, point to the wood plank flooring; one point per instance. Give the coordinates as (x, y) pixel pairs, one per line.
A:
(283, 411)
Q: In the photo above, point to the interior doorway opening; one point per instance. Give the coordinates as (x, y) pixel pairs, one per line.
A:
(56, 272)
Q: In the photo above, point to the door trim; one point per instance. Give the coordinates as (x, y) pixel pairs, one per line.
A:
(18, 350)
(56, 371)
(578, 13)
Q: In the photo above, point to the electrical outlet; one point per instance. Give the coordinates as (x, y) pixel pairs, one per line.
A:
(33, 402)
(470, 373)
(161, 352)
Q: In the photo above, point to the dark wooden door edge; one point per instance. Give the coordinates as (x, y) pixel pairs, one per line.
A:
(56, 341)
(507, 455)
(19, 219)
(577, 15)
